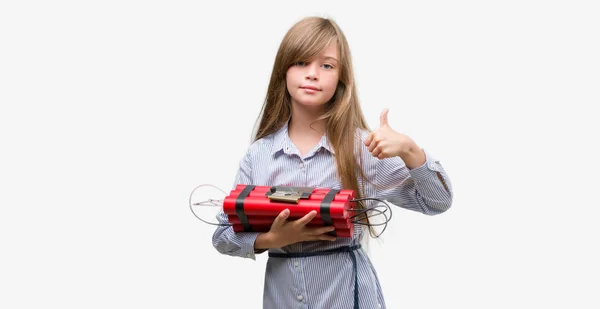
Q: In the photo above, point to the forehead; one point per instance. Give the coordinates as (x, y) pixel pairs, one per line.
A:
(311, 50)
(330, 51)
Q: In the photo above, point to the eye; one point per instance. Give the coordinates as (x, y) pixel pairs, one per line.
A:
(300, 63)
(328, 66)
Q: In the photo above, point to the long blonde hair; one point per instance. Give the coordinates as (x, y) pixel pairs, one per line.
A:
(304, 41)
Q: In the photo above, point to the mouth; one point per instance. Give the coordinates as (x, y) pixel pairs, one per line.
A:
(310, 88)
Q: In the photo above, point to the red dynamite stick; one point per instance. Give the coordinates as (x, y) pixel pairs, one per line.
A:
(314, 196)
(316, 192)
(267, 220)
(265, 189)
(262, 206)
(238, 228)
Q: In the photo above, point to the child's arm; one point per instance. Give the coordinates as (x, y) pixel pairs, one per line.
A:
(405, 174)
(426, 188)
(224, 239)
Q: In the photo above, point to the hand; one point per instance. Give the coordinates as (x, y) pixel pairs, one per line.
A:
(283, 232)
(386, 143)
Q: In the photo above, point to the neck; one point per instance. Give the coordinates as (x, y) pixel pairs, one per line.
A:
(304, 121)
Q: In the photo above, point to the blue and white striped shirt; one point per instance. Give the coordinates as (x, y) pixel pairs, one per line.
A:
(327, 281)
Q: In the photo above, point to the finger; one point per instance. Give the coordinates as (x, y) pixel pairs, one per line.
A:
(376, 151)
(369, 139)
(326, 237)
(321, 230)
(307, 218)
(373, 145)
(280, 219)
(383, 119)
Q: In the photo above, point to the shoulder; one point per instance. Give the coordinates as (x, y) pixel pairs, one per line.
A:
(260, 147)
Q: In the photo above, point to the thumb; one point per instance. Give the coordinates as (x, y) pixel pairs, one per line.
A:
(383, 120)
(280, 219)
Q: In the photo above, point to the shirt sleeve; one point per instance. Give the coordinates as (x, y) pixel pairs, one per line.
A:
(426, 189)
(224, 239)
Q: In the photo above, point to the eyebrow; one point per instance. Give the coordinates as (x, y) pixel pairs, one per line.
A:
(329, 57)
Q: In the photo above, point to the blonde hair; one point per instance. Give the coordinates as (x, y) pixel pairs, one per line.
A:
(304, 41)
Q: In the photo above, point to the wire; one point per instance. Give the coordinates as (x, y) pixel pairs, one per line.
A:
(209, 202)
(365, 210)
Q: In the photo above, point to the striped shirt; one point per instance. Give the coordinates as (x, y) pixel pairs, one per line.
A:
(327, 281)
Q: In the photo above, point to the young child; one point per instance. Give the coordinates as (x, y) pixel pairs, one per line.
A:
(312, 133)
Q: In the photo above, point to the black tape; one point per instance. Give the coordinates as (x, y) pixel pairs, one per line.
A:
(325, 209)
(239, 208)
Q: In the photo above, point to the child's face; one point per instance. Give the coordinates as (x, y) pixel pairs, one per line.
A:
(313, 83)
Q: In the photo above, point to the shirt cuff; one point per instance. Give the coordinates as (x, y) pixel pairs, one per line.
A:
(428, 169)
(247, 240)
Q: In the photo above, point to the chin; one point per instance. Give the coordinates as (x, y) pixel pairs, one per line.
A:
(310, 103)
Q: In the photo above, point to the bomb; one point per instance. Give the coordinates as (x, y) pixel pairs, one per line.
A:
(251, 208)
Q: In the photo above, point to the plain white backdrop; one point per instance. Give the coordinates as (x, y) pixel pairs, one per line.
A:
(113, 111)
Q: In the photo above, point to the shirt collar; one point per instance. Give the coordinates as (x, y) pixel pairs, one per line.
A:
(282, 141)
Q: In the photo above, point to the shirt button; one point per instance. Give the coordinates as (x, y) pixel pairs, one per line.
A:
(301, 164)
(300, 297)
(248, 255)
(296, 264)
(433, 166)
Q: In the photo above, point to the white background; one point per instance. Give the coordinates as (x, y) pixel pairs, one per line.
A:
(113, 111)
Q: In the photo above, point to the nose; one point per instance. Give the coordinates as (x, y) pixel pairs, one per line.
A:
(312, 71)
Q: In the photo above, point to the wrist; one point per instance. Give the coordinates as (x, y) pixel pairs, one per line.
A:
(413, 157)
(264, 241)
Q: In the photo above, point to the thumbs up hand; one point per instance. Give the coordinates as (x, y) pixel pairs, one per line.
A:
(386, 143)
